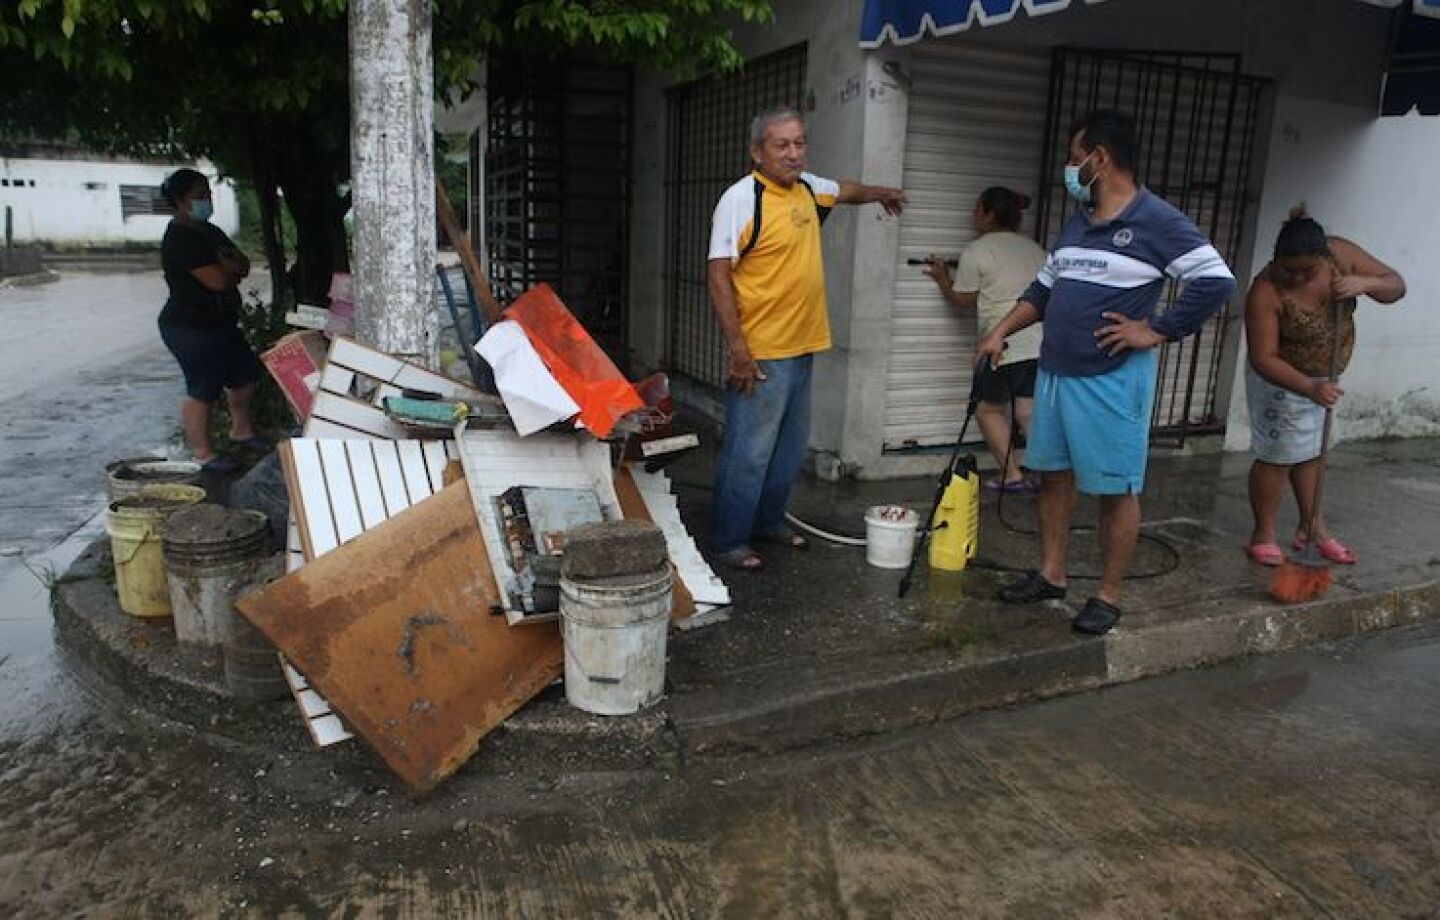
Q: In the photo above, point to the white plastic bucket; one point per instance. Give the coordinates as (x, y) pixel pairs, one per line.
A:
(614, 632)
(890, 536)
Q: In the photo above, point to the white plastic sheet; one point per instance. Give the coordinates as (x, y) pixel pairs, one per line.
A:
(533, 397)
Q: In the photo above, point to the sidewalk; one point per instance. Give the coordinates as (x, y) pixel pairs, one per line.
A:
(818, 647)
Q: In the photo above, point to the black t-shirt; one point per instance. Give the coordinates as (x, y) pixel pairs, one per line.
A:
(184, 249)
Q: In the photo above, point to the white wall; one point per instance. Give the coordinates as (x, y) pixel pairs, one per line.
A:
(77, 202)
(1370, 180)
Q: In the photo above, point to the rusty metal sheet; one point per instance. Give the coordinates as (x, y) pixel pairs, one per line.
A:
(395, 629)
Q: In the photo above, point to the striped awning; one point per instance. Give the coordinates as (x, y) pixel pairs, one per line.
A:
(901, 22)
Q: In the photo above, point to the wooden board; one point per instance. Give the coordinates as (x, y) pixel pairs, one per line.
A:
(355, 379)
(395, 630)
(351, 355)
(341, 488)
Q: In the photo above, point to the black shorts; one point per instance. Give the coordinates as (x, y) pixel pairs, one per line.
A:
(1009, 381)
(212, 360)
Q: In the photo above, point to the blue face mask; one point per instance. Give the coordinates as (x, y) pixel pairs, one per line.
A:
(1078, 190)
(202, 209)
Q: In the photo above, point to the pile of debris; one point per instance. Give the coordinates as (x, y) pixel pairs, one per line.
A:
(427, 529)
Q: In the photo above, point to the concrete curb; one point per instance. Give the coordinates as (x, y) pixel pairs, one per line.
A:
(140, 663)
(885, 696)
(775, 709)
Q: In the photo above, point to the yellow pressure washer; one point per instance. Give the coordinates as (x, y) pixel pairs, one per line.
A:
(953, 534)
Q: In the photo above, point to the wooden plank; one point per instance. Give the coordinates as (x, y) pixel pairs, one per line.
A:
(317, 527)
(435, 464)
(417, 474)
(424, 673)
(385, 368)
(319, 428)
(682, 605)
(363, 469)
(294, 548)
(336, 379)
(392, 477)
(340, 490)
(460, 242)
(351, 413)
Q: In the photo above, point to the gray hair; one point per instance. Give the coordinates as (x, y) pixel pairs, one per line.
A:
(761, 123)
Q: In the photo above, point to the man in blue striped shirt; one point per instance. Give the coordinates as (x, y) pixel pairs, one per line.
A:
(1097, 297)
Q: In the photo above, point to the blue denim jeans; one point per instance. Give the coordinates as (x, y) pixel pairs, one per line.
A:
(761, 453)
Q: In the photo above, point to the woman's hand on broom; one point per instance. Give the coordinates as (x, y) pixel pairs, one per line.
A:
(1325, 393)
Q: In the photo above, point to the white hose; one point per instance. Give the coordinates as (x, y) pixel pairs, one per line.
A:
(837, 538)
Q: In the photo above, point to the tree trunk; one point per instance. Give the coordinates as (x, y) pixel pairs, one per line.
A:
(262, 172)
(392, 141)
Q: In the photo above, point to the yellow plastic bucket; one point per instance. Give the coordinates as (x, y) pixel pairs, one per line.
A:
(134, 524)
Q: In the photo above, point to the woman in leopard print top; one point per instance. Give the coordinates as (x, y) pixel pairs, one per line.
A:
(1291, 321)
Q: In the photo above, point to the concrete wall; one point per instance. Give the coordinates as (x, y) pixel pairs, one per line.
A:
(1369, 180)
(77, 202)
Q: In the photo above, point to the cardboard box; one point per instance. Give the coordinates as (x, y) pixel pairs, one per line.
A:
(295, 362)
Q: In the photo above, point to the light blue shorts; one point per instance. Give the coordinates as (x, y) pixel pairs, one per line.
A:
(1098, 427)
(1285, 427)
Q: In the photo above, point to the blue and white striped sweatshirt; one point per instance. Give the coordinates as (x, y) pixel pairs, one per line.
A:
(1120, 266)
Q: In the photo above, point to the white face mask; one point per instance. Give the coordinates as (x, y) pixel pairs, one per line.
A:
(1078, 190)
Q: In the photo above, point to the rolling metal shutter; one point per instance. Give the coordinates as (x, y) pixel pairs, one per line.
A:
(977, 118)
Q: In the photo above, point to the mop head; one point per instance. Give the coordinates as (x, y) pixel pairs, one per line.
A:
(1296, 582)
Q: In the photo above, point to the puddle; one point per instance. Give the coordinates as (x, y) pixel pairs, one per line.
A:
(25, 595)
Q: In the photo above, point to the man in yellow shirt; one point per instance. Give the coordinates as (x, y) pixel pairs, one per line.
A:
(767, 281)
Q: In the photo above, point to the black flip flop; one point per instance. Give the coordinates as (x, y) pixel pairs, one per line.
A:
(742, 558)
(1031, 589)
(783, 537)
(1096, 618)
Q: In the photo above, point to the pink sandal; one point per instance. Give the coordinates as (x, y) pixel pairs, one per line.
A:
(1330, 549)
(1265, 553)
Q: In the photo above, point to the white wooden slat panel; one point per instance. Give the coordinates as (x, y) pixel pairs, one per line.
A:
(976, 119)
(417, 474)
(336, 379)
(387, 369)
(498, 460)
(366, 420)
(318, 524)
(699, 579)
(341, 489)
(392, 478)
(319, 428)
(361, 455)
(435, 464)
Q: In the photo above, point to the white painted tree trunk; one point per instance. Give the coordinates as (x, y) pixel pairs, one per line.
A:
(392, 161)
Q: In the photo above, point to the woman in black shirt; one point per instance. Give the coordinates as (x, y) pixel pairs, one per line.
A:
(199, 323)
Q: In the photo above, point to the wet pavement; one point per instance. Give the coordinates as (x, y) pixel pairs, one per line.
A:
(83, 379)
(1294, 786)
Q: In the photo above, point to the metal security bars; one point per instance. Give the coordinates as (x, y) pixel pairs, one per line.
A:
(557, 173)
(706, 152)
(1197, 117)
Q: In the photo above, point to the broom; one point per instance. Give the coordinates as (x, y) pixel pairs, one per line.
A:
(1306, 575)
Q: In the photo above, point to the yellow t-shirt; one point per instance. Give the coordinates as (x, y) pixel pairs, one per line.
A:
(779, 276)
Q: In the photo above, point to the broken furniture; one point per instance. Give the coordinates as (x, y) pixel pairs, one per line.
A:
(394, 628)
